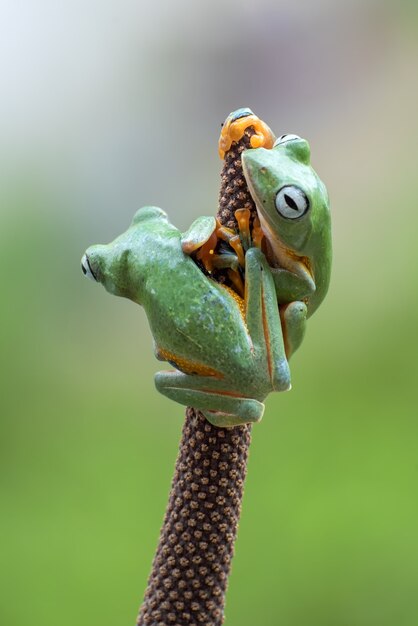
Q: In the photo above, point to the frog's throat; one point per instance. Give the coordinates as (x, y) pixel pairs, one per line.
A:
(278, 255)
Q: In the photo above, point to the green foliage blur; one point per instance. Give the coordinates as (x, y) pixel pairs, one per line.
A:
(103, 112)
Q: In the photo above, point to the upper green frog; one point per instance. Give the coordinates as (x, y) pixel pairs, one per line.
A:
(293, 208)
(293, 226)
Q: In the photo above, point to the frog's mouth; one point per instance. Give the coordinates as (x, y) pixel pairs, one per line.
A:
(278, 255)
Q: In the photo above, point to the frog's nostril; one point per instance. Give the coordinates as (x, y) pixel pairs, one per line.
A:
(86, 268)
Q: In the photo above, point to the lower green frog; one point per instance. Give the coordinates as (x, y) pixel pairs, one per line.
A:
(228, 351)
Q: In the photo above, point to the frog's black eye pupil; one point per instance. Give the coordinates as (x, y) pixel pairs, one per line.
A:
(291, 202)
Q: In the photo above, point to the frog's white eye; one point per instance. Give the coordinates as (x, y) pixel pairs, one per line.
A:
(285, 139)
(291, 202)
(85, 266)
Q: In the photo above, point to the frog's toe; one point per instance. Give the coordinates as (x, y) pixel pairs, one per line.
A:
(252, 413)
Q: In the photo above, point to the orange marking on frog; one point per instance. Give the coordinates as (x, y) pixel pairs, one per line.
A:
(205, 253)
(188, 367)
(234, 130)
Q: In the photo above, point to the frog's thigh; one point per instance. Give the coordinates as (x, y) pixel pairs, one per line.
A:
(293, 318)
(209, 395)
(263, 319)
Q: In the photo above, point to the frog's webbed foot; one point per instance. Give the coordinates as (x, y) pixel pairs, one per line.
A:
(202, 241)
(217, 247)
(240, 242)
(234, 128)
(198, 234)
(211, 397)
(249, 235)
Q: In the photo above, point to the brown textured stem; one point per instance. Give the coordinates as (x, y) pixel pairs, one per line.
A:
(191, 567)
(190, 571)
(234, 193)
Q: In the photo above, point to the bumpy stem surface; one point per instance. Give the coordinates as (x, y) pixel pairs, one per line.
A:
(191, 567)
(234, 193)
(190, 571)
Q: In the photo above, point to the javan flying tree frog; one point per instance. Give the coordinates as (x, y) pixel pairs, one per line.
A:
(293, 209)
(292, 225)
(228, 352)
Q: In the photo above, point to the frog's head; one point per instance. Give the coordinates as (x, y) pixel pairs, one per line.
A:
(118, 265)
(110, 265)
(291, 201)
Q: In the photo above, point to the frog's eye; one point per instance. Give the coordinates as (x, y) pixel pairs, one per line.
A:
(291, 202)
(285, 139)
(85, 266)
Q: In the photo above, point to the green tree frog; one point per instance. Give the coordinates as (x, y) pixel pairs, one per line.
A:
(293, 209)
(293, 227)
(228, 352)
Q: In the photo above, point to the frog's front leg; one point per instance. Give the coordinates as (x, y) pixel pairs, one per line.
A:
(263, 319)
(293, 318)
(293, 292)
(290, 286)
(211, 396)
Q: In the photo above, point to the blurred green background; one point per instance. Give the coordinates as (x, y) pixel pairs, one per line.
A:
(107, 106)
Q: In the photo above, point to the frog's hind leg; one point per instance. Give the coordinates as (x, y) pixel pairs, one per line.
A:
(209, 395)
(263, 319)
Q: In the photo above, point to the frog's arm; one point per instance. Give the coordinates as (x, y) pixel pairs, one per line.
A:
(263, 319)
(198, 234)
(290, 286)
(293, 317)
(229, 404)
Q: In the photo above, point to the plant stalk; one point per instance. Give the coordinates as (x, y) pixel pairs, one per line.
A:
(191, 567)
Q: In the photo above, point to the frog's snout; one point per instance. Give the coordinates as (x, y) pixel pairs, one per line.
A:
(86, 268)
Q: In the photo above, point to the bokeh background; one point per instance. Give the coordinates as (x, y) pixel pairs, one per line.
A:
(107, 106)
